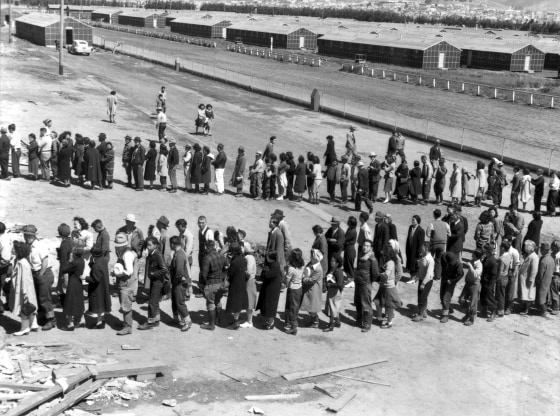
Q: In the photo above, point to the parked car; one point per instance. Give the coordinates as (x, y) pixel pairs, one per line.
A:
(80, 47)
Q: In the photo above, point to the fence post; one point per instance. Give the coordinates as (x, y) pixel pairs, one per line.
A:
(427, 126)
(407, 78)
(462, 138)
(420, 80)
(383, 74)
(177, 64)
(503, 147)
(362, 70)
(531, 100)
(434, 83)
(551, 102)
(550, 161)
(344, 113)
(394, 76)
(513, 96)
(495, 93)
(462, 87)
(369, 115)
(372, 72)
(478, 90)
(448, 86)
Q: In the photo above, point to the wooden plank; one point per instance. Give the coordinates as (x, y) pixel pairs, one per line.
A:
(24, 369)
(265, 397)
(341, 402)
(39, 376)
(13, 396)
(230, 376)
(323, 388)
(23, 386)
(129, 369)
(128, 347)
(362, 380)
(39, 344)
(328, 370)
(521, 333)
(38, 399)
(146, 377)
(74, 397)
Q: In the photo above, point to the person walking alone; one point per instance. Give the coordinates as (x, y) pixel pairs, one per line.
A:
(172, 163)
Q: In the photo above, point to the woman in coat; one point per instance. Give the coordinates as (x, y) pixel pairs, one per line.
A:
(78, 156)
(416, 181)
(275, 243)
(481, 183)
(237, 293)
(526, 287)
(401, 174)
(534, 229)
(389, 294)
(151, 162)
(414, 243)
(350, 238)
(439, 184)
(300, 182)
(98, 287)
(312, 282)
(320, 243)
(525, 193)
(74, 298)
(290, 175)
(22, 288)
(270, 291)
(93, 160)
(206, 170)
(455, 185)
(196, 168)
(64, 163)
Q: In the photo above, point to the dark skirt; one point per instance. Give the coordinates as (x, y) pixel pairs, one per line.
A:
(270, 292)
(74, 299)
(389, 297)
(64, 164)
(237, 299)
(300, 184)
(150, 167)
(98, 291)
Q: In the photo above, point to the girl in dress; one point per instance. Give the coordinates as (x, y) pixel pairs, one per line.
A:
(209, 113)
(525, 194)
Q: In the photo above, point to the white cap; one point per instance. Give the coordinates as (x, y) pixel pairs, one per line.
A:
(130, 217)
(372, 154)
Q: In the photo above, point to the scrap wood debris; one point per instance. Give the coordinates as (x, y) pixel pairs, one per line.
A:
(37, 377)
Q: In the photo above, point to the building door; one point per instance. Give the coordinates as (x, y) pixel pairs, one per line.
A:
(224, 32)
(441, 60)
(527, 66)
(302, 41)
(69, 36)
(155, 22)
(469, 58)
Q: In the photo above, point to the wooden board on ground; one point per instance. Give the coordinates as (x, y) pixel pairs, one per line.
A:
(266, 397)
(362, 380)
(74, 397)
(230, 376)
(146, 377)
(327, 370)
(337, 405)
(130, 347)
(128, 369)
(325, 389)
(23, 386)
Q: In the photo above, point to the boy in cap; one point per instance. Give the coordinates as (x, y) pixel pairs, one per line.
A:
(63, 254)
(125, 280)
(137, 162)
(180, 283)
(127, 159)
(255, 176)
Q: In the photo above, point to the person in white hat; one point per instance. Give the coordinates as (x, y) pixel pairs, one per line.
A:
(124, 274)
(255, 176)
(135, 239)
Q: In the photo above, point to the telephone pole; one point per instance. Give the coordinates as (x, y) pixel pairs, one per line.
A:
(61, 41)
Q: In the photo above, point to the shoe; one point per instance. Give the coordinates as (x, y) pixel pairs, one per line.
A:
(554, 312)
(99, 325)
(386, 325)
(268, 327)
(330, 328)
(468, 323)
(186, 327)
(25, 331)
(51, 323)
(238, 195)
(312, 324)
(292, 331)
(417, 318)
(465, 318)
(257, 198)
(246, 325)
(235, 326)
(490, 318)
(145, 326)
(366, 329)
(337, 323)
(280, 198)
(173, 191)
(68, 328)
(139, 189)
(125, 331)
(444, 319)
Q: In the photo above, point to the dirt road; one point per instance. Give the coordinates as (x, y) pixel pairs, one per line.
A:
(432, 368)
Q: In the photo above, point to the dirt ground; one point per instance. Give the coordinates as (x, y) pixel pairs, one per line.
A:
(492, 117)
(432, 368)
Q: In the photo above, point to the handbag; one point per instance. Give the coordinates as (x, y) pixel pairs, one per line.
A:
(28, 308)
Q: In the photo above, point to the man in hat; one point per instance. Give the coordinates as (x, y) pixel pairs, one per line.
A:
(126, 279)
(187, 162)
(255, 176)
(335, 238)
(211, 280)
(351, 145)
(180, 283)
(43, 277)
(219, 167)
(4, 153)
(63, 254)
(435, 155)
(239, 171)
(161, 123)
(156, 271)
(15, 144)
(137, 162)
(45, 144)
(374, 169)
(330, 154)
(102, 149)
(269, 148)
(135, 242)
(344, 178)
(538, 183)
(381, 236)
(127, 159)
(205, 234)
(544, 279)
(172, 163)
(285, 229)
(362, 188)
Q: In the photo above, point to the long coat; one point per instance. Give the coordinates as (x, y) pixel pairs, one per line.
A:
(196, 168)
(270, 291)
(206, 170)
(455, 187)
(98, 288)
(320, 244)
(413, 244)
(455, 240)
(276, 244)
(237, 295)
(534, 232)
(74, 299)
(312, 288)
(78, 159)
(150, 167)
(416, 181)
(94, 174)
(401, 176)
(526, 287)
(22, 284)
(300, 184)
(544, 278)
(65, 163)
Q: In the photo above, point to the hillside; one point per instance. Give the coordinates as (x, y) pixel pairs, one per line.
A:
(549, 5)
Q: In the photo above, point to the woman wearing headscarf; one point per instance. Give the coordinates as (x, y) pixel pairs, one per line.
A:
(237, 291)
(251, 284)
(64, 163)
(294, 277)
(350, 238)
(74, 298)
(481, 183)
(526, 287)
(270, 291)
(313, 287)
(414, 243)
(99, 297)
(22, 297)
(402, 173)
(335, 286)
(300, 182)
(525, 194)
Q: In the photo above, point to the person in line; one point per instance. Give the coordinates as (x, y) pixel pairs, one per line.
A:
(138, 158)
(414, 246)
(196, 168)
(427, 175)
(300, 178)
(544, 279)
(206, 170)
(472, 285)
(366, 273)
(63, 254)
(156, 271)
(489, 279)
(438, 232)
(180, 282)
(381, 236)
(333, 178)
(94, 173)
(402, 178)
(515, 186)
(320, 243)
(124, 273)
(294, 291)
(374, 169)
(172, 163)
(330, 153)
(45, 144)
(187, 161)
(239, 172)
(552, 199)
(351, 145)
(270, 291)
(435, 154)
(439, 186)
(415, 182)
(219, 168)
(163, 168)
(528, 270)
(256, 172)
(534, 229)
(152, 162)
(451, 273)
(505, 265)
(350, 238)
(15, 145)
(335, 286)
(513, 273)
(538, 194)
(33, 156)
(362, 189)
(237, 299)
(455, 184)
(335, 239)
(388, 288)
(525, 194)
(513, 227)
(99, 297)
(481, 183)
(425, 277)
(23, 299)
(269, 149)
(74, 300)
(389, 168)
(312, 282)
(211, 283)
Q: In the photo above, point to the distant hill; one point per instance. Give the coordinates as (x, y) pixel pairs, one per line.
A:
(549, 5)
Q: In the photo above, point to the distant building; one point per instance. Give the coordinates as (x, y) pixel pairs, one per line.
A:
(106, 15)
(283, 37)
(43, 29)
(501, 56)
(143, 18)
(77, 11)
(204, 27)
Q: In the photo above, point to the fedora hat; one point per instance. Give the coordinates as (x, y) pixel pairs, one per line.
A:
(335, 220)
(163, 220)
(121, 240)
(278, 213)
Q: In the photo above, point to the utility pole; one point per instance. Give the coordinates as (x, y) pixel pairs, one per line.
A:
(9, 21)
(61, 42)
